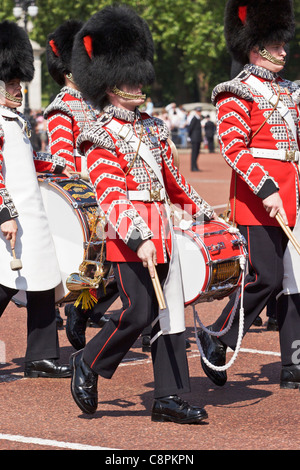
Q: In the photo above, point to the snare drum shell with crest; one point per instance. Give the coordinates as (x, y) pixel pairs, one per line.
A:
(210, 254)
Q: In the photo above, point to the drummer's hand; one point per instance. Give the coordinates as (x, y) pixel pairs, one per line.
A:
(147, 254)
(66, 171)
(273, 205)
(9, 230)
(215, 216)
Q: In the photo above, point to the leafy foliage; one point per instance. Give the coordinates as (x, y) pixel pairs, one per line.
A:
(191, 56)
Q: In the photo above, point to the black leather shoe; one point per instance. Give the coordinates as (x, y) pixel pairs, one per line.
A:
(48, 368)
(258, 321)
(272, 324)
(176, 410)
(146, 345)
(84, 384)
(215, 353)
(99, 323)
(75, 326)
(103, 320)
(290, 377)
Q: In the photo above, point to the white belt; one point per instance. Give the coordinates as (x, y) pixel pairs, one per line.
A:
(283, 155)
(147, 196)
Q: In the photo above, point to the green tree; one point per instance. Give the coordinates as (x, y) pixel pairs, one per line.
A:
(192, 33)
(191, 56)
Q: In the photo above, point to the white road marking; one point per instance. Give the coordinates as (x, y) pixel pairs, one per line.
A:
(195, 353)
(50, 443)
(257, 351)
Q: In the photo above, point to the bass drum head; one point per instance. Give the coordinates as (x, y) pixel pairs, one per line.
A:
(193, 266)
(67, 234)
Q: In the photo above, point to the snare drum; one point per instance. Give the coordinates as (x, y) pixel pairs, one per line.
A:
(72, 209)
(210, 255)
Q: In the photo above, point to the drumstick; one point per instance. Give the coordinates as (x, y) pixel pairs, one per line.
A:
(158, 290)
(15, 264)
(289, 233)
(81, 175)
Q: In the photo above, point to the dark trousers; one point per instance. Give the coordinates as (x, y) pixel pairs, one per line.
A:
(288, 308)
(195, 152)
(107, 349)
(266, 247)
(105, 300)
(211, 144)
(42, 340)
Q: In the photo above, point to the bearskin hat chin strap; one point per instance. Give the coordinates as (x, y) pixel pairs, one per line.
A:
(70, 77)
(127, 96)
(266, 55)
(10, 97)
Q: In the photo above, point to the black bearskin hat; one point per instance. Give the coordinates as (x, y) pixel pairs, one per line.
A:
(16, 54)
(113, 48)
(59, 49)
(250, 23)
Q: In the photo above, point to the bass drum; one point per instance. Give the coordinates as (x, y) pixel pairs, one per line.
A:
(210, 254)
(72, 209)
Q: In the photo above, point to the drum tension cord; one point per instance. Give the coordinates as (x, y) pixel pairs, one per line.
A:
(240, 294)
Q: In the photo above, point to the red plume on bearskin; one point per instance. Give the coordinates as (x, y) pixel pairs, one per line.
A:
(250, 23)
(114, 47)
(59, 49)
(16, 54)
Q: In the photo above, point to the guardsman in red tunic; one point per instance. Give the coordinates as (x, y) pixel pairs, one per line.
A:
(131, 166)
(67, 116)
(258, 128)
(69, 113)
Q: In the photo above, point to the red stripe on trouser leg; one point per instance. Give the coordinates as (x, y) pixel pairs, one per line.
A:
(121, 316)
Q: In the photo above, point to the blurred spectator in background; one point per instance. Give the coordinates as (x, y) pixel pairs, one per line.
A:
(149, 106)
(34, 137)
(209, 131)
(176, 116)
(42, 131)
(183, 128)
(164, 116)
(195, 134)
(39, 138)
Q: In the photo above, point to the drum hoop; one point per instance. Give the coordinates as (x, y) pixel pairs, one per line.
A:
(200, 240)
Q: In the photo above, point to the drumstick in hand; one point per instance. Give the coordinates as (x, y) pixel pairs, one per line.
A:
(158, 290)
(288, 233)
(15, 264)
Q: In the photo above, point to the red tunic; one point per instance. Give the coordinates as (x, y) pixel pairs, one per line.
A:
(114, 171)
(66, 117)
(241, 111)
